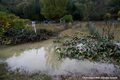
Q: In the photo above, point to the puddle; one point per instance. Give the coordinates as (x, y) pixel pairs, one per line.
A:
(43, 60)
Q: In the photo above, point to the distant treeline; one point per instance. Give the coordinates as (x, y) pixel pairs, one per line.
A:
(55, 9)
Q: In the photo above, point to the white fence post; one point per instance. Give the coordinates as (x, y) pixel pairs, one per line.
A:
(34, 26)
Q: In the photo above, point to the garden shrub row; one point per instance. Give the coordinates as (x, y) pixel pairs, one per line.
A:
(13, 30)
(21, 36)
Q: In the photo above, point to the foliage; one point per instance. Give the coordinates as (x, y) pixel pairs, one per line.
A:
(75, 9)
(17, 36)
(98, 46)
(10, 20)
(106, 32)
(19, 23)
(53, 9)
(88, 9)
(13, 30)
(114, 6)
(107, 16)
(3, 8)
(12, 24)
(25, 8)
(79, 9)
(1, 31)
(67, 19)
(91, 49)
(6, 19)
(118, 14)
(28, 9)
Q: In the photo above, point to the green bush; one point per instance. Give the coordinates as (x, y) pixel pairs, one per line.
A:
(107, 16)
(10, 20)
(1, 31)
(67, 19)
(3, 8)
(17, 36)
(6, 19)
(13, 30)
(19, 23)
(118, 14)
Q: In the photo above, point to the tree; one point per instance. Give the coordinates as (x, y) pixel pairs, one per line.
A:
(24, 8)
(81, 9)
(75, 9)
(99, 9)
(107, 16)
(3, 8)
(53, 9)
(29, 9)
(118, 14)
(114, 7)
(88, 9)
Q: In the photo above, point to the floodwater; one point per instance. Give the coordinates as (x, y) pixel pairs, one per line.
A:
(42, 59)
(9, 51)
(39, 57)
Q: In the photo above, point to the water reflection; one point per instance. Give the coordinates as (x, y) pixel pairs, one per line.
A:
(44, 60)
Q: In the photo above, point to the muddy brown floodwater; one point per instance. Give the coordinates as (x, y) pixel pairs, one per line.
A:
(42, 59)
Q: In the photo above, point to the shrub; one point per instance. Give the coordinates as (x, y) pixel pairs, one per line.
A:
(118, 14)
(67, 19)
(6, 19)
(13, 30)
(17, 36)
(10, 20)
(3, 8)
(11, 23)
(19, 23)
(107, 16)
(1, 31)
